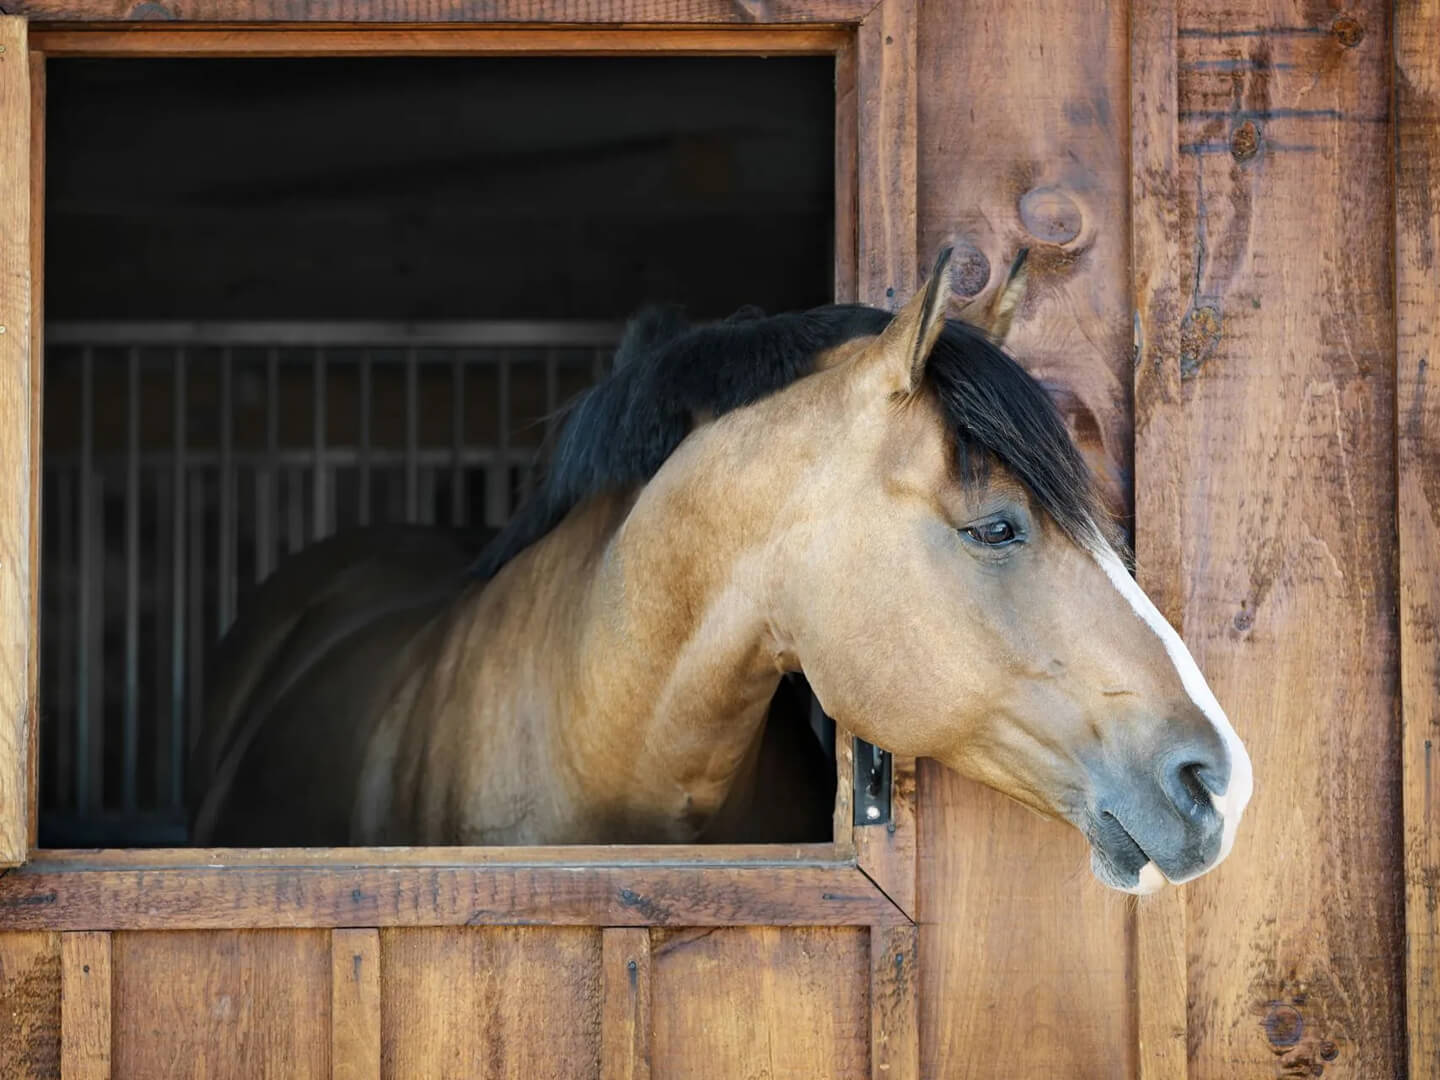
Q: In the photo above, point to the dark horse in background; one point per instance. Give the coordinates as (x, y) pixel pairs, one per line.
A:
(888, 505)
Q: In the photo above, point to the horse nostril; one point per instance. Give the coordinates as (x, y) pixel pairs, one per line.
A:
(1192, 785)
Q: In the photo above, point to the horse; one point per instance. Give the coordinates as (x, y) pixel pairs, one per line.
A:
(888, 505)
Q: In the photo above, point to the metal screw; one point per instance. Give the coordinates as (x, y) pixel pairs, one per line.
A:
(872, 812)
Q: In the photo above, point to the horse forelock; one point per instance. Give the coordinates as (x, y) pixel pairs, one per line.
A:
(618, 434)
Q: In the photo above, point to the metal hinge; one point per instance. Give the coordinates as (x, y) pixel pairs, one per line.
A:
(872, 784)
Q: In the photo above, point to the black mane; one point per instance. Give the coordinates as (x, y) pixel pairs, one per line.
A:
(620, 432)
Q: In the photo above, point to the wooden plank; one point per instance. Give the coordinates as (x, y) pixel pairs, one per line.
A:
(309, 896)
(17, 615)
(844, 817)
(743, 12)
(761, 1001)
(846, 173)
(887, 852)
(1296, 944)
(894, 1003)
(159, 41)
(1023, 143)
(37, 378)
(530, 999)
(85, 1006)
(221, 1004)
(625, 1019)
(355, 1004)
(886, 154)
(1417, 409)
(30, 1006)
(1160, 468)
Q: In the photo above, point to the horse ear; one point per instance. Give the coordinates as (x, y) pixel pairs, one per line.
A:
(905, 345)
(996, 322)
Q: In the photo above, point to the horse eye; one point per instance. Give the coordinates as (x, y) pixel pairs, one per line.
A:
(992, 533)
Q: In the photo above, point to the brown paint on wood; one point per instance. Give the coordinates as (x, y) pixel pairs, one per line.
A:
(1286, 347)
(625, 1019)
(846, 175)
(37, 377)
(319, 896)
(1023, 142)
(236, 1004)
(165, 40)
(355, 1004)
(149, 12)
(17, 615)
(1159, 974)
(885, 66)
(887, 852)
(478, 1002)
(761, 1001)
(1417, 408)
(30, 1006)
(85, 1006)
(894, 1003)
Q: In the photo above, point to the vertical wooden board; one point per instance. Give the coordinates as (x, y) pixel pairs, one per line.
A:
(37, 369)
(1286, 353)
(30, 1006)
(1417, 307)
(846, 175)
(625, 1020)
(355, 1004)
(887, 852)
(85, 1005)
(1023, 142)
(222, 1003)
(16, 598)
(761, 1001)
(484, 1002)
(894, 1003)
(885, 153)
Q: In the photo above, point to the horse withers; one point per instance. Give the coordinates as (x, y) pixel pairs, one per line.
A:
(888, 505)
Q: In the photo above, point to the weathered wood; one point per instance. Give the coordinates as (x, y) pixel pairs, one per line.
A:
(166, 40)
(885, 70)
(37, 373)
(887, 852)
(846, 174)
(355, 1004)
(333, 896)
(85, 1006)
(844, 815)
(478, 1002)
(1417, 409)
(625, 1020)
(1022, 953)
(30, 1006)
(761, 1001)
(226, 1004)
(1160, 468)
(1288, 507)
(894, 1003)
(17, 598)
(745, 12)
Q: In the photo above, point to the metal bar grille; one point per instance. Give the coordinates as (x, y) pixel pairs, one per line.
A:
(182, 461)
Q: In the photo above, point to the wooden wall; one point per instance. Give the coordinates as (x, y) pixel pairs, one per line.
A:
(1230, 167)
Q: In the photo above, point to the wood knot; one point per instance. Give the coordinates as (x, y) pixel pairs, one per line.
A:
(969, 269)
(1199, 334)
(1347, 31)
(1283, 1026)
(1328, 1050)
(1245, 141)
(1050, 215)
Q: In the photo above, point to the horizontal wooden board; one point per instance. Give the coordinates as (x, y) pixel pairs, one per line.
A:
(150, 12)
(471, 1003)
(331, 896)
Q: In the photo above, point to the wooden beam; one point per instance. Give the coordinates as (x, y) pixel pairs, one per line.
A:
(894, 1003)
(625, 1016)
(355, 1004)
(37, 374)
(85, 1006)
(239, 897)
(885, 151)
(887, 852)
(1417, 420)
(30, 1006)
(614, 12)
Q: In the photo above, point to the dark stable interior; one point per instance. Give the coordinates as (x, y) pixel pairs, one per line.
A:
(333, 191)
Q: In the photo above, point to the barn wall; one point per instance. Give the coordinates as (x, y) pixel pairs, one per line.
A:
(1265, 488)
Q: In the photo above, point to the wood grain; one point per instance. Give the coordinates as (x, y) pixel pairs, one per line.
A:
(886, 126)
(1159, 976)
(847, 196)
(235, 1004)
(30, 1006)
(355, 1004)
(479, 1002)
(85, 1006)
(761, 1001)
(887, 852)
(894, 1003)
(1022, 142)
(625, 1018)
(17, 616)
(1417, 407)
(1287, 383)
(147, 12)
(260, 41)
(320, 896)
(37, 379)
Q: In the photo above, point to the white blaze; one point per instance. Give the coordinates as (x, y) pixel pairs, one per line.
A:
(1242, 779)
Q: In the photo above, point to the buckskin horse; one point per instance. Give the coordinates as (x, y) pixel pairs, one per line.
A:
(887, 504)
